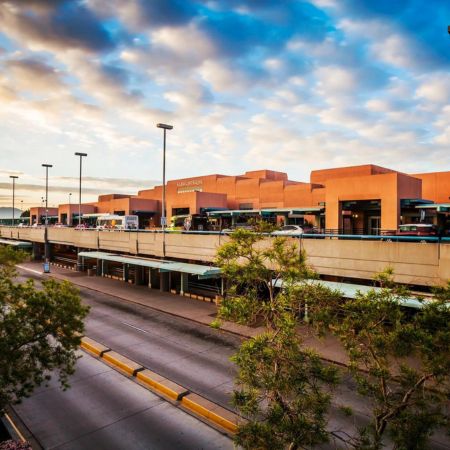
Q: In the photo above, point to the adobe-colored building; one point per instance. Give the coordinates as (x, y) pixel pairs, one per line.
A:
(357, 199)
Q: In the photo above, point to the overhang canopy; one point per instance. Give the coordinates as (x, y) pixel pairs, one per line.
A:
(349, 290)
(93, 215)
(163, 266)
(234, 212)
(301, 210)
(439, 207)
(413, 202)
(18, 244)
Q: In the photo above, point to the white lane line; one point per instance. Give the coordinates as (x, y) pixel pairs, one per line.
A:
(136, 328)
(30, 270)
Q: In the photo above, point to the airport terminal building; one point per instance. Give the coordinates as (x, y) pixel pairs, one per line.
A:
(366, 199)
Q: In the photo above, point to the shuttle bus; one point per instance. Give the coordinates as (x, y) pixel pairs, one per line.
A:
(114, 222)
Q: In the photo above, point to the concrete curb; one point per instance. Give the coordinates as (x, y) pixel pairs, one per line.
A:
(206, 410)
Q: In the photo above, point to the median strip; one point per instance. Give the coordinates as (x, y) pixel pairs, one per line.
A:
(199, 406)
(161, 384)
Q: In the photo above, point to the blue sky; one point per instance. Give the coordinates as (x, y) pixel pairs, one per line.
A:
(286, 85)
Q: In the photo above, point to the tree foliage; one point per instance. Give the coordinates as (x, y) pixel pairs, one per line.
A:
(281, 387)
(252, 267)
(399, 360)
(284, 392)
(39, 331)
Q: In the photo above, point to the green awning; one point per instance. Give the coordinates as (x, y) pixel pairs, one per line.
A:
(413, 202)
(349, 290)
(201, 271)
(234, 212)
(93, 215)
(439, 207)
(302, 210)
(18, 244)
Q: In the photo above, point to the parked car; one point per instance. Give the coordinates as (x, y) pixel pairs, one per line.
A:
(288, 230)
(238, 227)
(417, 229)
(81, 226)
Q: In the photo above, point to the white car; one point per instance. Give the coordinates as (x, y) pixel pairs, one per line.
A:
(288, 230)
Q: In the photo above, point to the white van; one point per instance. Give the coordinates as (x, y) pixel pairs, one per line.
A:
(115, 222)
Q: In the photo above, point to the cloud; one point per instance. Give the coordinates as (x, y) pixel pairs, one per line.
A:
(31, 75)
(64, 25)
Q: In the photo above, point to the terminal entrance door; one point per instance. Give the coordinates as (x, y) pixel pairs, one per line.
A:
(374, 225)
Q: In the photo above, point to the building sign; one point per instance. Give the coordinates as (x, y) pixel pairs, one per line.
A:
(190, 186)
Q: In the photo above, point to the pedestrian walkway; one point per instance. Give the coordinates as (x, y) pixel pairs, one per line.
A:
(202, 312)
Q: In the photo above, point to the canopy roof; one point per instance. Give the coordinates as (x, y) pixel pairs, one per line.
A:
(201, 271)
(18, 244)
(439, 207)
(268, 211)
(351, 290)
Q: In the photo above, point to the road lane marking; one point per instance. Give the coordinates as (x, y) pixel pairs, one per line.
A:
(136, 328)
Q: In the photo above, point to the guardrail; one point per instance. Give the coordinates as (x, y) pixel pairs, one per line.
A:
(385, 235)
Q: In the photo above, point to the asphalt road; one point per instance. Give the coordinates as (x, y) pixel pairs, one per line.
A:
(193, 355)
(188, 353)
(105, 410)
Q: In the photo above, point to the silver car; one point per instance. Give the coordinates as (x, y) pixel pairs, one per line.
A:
(288, 230)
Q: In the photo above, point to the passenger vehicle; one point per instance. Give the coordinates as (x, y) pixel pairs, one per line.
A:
(191, 222)
(115, 222)
(417, 229)
(287, 230)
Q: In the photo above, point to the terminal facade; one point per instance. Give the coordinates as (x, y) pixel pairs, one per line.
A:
(366, 199)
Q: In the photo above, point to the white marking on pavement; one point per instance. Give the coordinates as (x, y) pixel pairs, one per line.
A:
(30, 270)
(136, 328)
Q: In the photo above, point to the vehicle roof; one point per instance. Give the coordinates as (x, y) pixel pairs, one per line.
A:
(417, 225)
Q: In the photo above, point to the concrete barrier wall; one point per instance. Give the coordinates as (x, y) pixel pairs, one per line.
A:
(413, 263)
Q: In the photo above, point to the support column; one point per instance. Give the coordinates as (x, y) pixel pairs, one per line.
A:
(125, 273)
(138, 275)
(149, 277)
(184, 283)
(99, 268)
(164, 281)
(37, 251)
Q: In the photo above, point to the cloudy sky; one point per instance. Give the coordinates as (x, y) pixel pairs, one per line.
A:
(286, 85)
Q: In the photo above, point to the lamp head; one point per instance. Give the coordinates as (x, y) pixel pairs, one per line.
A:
(47, 165)
(80, 154)
(164, 126)
(13, 176)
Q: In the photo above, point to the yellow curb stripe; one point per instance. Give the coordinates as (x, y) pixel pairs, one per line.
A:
(124, 364)
(161, 384)
(211, 411)
(14, 427)
(92, 346)
(198, 405)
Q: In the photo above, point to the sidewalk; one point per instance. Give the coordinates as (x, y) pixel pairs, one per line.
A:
(198, 311)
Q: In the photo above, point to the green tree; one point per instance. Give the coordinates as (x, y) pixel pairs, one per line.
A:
(253, 269)
(281, 387)
(39, 331)
(399, 360)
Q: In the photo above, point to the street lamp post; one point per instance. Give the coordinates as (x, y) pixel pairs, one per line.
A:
(69, 215)
(46, 243)
(47, 166)
(79, 191)
(14, 178)
(165, 127)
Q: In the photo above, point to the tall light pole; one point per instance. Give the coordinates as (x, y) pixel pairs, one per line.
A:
(69, 215)
(47, 166)
(79, 191)
(165, 127)
(14, 178)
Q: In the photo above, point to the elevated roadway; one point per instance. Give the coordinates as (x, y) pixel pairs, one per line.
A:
(416, 263)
